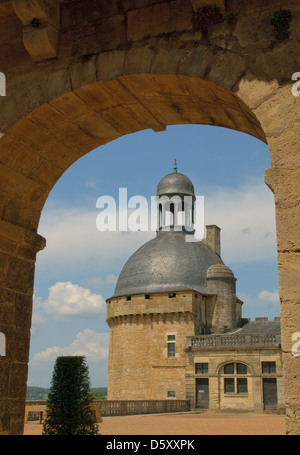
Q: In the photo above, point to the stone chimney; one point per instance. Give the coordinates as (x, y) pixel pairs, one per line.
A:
(213, 238)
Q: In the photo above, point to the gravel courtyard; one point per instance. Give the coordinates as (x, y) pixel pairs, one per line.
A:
(186, 424)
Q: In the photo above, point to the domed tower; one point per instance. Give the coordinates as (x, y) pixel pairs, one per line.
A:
(161, 297)
(175, 203)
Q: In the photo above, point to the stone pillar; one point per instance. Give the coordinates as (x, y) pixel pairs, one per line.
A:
(18, 248)
(279, 116)
(285, 184)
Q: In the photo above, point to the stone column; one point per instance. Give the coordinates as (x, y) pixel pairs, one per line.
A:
(285, 184)
(279, 116)
(18, 248)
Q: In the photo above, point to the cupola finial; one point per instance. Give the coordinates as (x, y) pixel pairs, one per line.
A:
(175, 166)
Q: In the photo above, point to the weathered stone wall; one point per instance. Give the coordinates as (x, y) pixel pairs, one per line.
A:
(119, 67)
(139, 366)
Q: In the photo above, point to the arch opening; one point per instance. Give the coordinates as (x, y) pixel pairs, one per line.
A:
(60, 132)
(148, 173)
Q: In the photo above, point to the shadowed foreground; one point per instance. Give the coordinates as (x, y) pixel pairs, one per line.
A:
(186, 424)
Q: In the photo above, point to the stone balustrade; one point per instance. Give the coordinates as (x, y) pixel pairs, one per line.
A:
(109, 408)
(253, 341)
(133, 407)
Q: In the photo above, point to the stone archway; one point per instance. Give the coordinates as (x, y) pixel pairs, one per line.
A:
(117, 68)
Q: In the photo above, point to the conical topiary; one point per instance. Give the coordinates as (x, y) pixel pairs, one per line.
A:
(69, 404)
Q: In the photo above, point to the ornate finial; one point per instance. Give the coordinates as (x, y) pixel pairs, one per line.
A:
(175, 166)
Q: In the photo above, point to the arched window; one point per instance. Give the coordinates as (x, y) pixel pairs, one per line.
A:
(172, 211)
(235, 378)
(160, 216)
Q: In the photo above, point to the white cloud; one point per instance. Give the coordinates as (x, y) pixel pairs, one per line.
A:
(74, 244)
(263, 304)
(92, 345)
(92, 184)
(98, 281)
(268, 296)
(246, 217)
(68, 299)
(38, 318)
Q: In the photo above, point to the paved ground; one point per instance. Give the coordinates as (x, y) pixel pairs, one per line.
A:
(186, 424)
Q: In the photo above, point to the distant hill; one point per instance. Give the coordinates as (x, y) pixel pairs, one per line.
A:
(100, 393)
(40, 393)
(37, 393)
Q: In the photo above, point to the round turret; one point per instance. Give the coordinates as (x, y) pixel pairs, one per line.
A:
(220, 270)
(221, 282)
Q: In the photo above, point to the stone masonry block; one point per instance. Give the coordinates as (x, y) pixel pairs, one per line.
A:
(159, 19)
(290, 321)
(289, 275)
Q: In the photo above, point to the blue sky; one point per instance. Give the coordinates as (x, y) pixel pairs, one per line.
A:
(78, 269)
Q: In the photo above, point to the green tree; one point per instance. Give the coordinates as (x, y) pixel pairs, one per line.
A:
(69, 404)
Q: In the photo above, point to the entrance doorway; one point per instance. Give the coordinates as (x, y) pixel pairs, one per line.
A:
(270, 393)
(202, 393)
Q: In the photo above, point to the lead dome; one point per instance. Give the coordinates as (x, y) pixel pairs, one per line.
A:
(175, 183)
(166, 263)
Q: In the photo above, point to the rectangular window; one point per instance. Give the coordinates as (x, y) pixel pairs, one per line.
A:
(242, 385)
(201, 368)
(228, 385)
(171, 394)
(172, 296)
(147, 296)
(268, 367)
(128, 297)
(171, 349)
(229, 369)
(171, 337)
